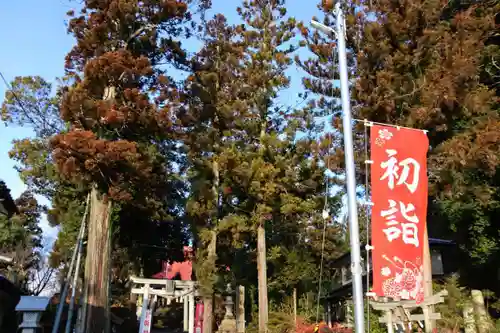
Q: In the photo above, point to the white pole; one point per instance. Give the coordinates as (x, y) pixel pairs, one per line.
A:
(357, 283)
(186, 313)
(356, 269)
(192, 306)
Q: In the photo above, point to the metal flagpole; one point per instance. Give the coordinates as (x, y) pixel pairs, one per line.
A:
(356, 269)
(357, 283)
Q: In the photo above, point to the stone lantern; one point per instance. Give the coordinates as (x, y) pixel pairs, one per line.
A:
(32, 308)
(228, 324)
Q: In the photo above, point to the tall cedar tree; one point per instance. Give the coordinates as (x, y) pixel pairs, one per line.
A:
(277, 179)
(31, 103)
(267, 36)
(427, 64)
(215, 98)
(120, 138)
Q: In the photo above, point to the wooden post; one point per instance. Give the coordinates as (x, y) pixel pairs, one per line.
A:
(469, 320)
(295, 306)
(429, 323)
(240, 309)
(390, 323)
(482, 320)
(262, 278)
(186, 313)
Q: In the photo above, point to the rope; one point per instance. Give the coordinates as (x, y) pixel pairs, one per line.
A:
(325, 207)
(325, 218)
(321, 270)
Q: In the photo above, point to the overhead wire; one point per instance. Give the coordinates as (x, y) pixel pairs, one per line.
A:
(9, 88)
(326, 212)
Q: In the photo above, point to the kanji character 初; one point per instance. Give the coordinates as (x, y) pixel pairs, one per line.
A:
(408, 231)
(392, 166)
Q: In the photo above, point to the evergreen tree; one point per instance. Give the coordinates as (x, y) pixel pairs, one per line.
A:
(267, 177)
(21, 239)
(428, 65)
(278, 171)
(321, 85)
(215, 96)
(31, 103)
(120, 142)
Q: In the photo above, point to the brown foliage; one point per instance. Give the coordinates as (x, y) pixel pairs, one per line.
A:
(429, 77)
(97, 33)
(117, 129)
(81, 156)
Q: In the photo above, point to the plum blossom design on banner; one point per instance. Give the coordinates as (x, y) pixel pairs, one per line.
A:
(383, 136)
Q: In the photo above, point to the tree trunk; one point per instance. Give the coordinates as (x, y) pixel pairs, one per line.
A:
(212, 248)
(295, 307)
(97, 265)
(208, 299)
(262, 277)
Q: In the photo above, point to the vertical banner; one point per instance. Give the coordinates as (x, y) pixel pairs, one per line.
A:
(198, 321)
(146, 327)
(399, 194)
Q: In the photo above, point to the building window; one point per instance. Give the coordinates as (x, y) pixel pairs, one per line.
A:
(437, 262)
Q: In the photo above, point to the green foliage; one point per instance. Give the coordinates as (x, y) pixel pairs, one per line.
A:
(32, 103)
(217, 156)
(247, 165)
(280, 320)
(21, 239)
(31, 100)
(452, 310)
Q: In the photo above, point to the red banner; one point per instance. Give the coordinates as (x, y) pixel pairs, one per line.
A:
(399, 195)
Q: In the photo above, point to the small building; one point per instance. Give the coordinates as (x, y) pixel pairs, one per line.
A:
(337, 301)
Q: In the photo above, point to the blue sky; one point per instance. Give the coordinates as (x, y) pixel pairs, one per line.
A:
(35, 42)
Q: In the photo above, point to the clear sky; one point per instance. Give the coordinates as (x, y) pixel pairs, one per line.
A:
(34, 42)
